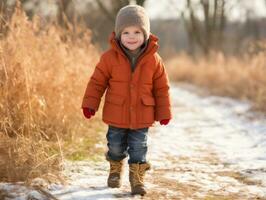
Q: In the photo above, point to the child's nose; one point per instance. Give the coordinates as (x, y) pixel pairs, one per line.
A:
(131, 35)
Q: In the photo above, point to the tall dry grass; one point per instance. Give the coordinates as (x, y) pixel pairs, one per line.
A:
(43, 74)
(243, 78)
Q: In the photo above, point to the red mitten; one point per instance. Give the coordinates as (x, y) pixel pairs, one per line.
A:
(164, 121)
(88, 112)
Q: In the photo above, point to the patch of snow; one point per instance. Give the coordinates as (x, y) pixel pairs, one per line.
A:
(212, 145)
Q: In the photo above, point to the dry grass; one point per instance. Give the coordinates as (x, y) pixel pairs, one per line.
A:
(243, 78)
(43, 75)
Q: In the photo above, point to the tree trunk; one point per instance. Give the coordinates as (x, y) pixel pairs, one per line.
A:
(207, 34)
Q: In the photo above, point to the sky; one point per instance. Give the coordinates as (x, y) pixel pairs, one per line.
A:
(172, 8)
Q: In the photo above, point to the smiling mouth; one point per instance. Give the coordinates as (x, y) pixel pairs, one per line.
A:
(132, 42)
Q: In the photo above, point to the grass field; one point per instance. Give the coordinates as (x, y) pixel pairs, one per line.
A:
(44, 72)
(239, 77)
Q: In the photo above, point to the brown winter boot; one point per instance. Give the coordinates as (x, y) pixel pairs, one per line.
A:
(136, 177)
(114, 178)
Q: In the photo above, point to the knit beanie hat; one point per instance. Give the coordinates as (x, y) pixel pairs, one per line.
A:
(132, 15)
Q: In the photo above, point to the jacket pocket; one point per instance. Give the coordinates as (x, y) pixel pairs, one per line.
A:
(147, 112)
(148, 101)
(113, 109)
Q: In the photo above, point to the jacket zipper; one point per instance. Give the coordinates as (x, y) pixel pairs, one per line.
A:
(130, 83)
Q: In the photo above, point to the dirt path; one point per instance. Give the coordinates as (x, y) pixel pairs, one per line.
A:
(213, 149)
(200, 155)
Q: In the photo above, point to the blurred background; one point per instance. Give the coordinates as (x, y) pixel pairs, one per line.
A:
(49, 48)
(193, 26)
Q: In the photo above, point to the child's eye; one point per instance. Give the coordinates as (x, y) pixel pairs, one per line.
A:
(137, 32)
(125, 33)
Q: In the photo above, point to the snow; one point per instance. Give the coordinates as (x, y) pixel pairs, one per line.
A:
(237, 140)
(214, 145)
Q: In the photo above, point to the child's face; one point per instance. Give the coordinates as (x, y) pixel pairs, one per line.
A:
(132, 37)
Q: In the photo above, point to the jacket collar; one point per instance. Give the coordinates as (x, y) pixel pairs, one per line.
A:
(151, 48)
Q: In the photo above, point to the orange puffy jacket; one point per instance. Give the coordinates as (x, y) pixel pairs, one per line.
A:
(133, 99)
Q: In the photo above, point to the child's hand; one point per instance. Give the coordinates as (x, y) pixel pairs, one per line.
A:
(88, 112)
(164, 121)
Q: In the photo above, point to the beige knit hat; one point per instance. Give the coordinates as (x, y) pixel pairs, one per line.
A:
(132, 15)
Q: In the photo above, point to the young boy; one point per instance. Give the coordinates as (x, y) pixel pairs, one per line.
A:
(137, 94)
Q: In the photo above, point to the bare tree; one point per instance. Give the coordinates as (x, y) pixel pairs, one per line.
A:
(110, 10)
(208, 32)
(3, 6)
(140, 2)
(62, 14)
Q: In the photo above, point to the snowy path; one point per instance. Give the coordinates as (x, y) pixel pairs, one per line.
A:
(212, 149)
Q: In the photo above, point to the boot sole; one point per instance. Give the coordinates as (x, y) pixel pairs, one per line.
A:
(114, 186)
(136, 193)
(142, 193)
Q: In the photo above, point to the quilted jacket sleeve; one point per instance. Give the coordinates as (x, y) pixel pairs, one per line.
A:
(161, 94)
(97, 85)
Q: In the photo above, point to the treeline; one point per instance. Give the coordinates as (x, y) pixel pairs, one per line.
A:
(202, 27)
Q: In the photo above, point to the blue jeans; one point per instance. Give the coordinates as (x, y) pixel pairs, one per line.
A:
(123, 142)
